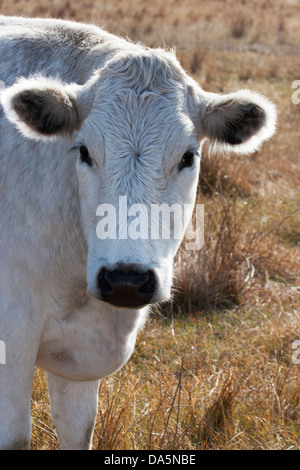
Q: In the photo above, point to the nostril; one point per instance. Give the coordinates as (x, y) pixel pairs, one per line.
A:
(143, 280)
(148, 286)
(103, 282)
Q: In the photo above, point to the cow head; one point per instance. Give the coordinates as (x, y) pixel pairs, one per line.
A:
(136, 128)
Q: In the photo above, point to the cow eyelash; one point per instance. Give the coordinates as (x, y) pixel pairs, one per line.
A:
(187, 160)
(84, 154)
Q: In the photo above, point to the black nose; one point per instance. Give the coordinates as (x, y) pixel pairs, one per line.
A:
(126, 287)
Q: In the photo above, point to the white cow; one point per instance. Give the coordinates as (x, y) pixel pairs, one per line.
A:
(88, 117)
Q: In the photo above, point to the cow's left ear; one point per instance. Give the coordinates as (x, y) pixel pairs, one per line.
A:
(42, 108)
(238, 122)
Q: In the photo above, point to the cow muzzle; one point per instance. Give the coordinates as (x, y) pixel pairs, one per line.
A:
(127, 286)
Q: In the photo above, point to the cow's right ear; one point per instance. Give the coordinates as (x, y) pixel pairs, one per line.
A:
(239, 122)
(42, 108)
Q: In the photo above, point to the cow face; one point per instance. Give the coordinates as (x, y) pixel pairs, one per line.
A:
(137, 128)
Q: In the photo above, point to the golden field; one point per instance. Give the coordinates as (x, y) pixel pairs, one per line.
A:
(214, 369)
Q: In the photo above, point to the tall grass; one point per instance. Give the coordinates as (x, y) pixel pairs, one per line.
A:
(237, 253)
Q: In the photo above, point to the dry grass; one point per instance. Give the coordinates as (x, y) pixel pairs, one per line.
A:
(219, 381)
(214, 370)
(240, 25)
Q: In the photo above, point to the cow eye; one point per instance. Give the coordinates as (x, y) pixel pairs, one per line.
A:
(85, 156)
(187, 160)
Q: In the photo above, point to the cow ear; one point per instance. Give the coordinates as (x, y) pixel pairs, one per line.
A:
(42, 108)
(238, 122)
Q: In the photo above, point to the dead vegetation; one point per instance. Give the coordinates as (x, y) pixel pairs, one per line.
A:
(240, 25)
(214, 369)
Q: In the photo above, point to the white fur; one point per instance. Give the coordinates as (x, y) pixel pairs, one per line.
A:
(243, 96)
(131, 101)
(39, 84)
